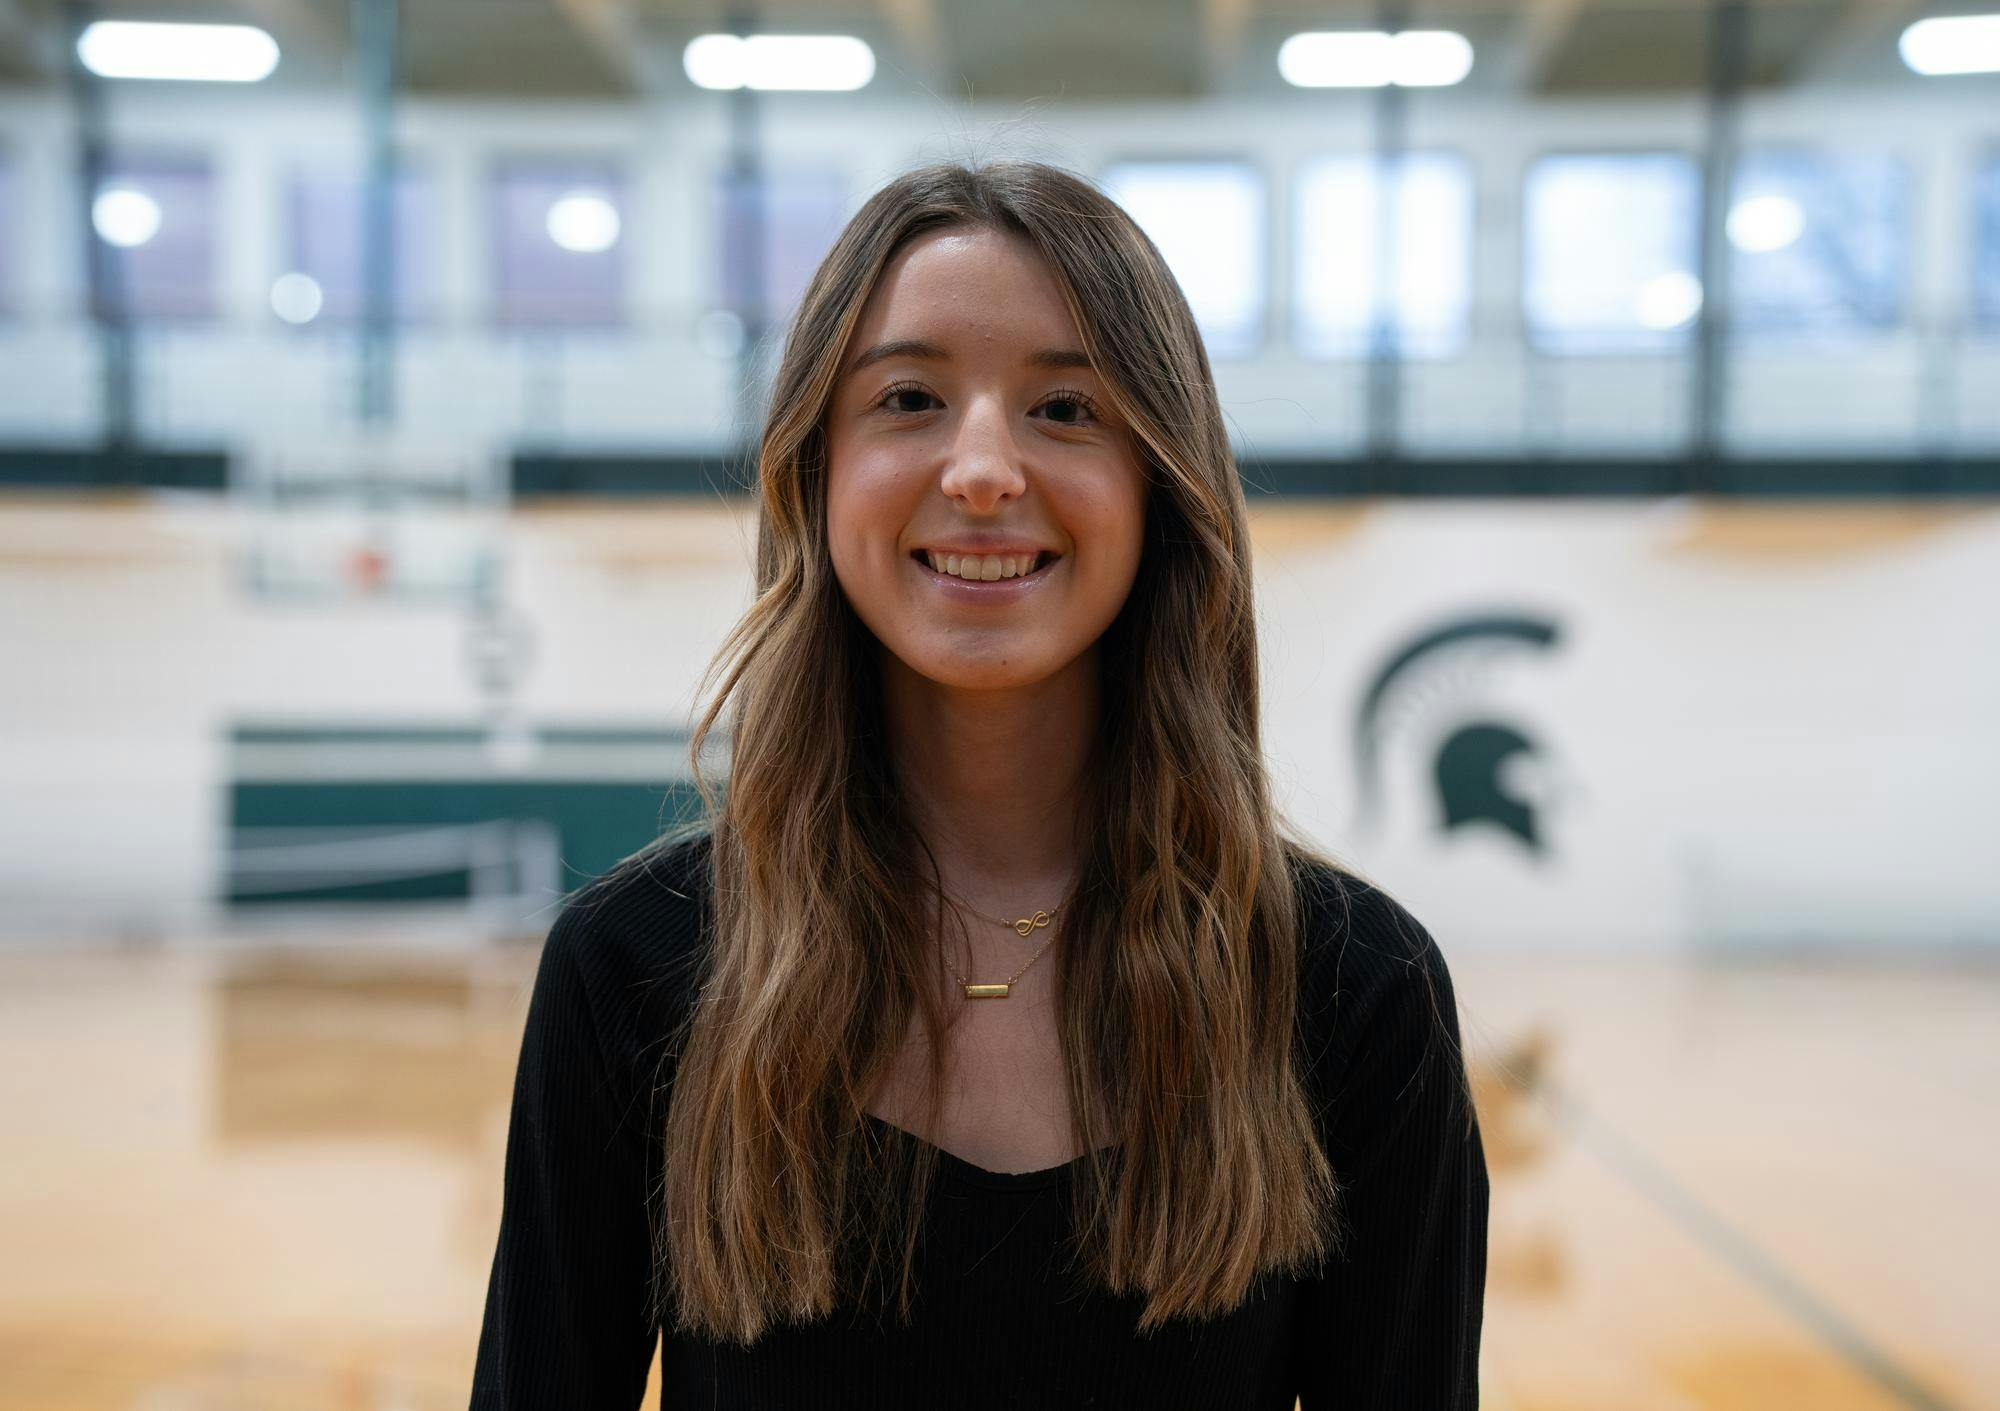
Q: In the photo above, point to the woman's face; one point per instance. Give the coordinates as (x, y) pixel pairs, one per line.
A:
(966, 418)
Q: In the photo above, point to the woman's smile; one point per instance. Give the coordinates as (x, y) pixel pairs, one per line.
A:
(993, 591)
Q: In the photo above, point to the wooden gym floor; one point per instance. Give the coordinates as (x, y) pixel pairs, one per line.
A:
(244, 1178)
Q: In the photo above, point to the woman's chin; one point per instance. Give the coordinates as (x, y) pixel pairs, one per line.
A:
(1009, 672)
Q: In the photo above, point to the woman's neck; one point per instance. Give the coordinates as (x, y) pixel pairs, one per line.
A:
(991, 778)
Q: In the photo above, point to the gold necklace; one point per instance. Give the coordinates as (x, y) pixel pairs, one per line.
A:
(1025, 926)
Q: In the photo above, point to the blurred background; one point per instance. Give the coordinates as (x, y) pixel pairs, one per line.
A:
(1616, 385)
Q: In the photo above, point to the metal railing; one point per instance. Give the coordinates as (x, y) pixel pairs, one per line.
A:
(1928, 388)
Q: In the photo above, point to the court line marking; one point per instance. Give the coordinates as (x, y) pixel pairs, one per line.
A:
(1741, 1253)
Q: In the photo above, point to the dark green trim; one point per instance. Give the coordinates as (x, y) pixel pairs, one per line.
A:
(105, 468)
(602, 790)
(596, 822)
(387, 734)
(1652, 476)
(554, 475)
(1329, 478)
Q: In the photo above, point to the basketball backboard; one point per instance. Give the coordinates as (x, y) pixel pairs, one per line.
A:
(370, 520)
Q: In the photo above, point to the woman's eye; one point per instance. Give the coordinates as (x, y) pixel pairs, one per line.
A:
(1069, 409)
(1064, 408)
(899, 400)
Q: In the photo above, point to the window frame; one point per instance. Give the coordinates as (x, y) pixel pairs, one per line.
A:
(1743, 330)
(715, 196)
(210, 311)
(1983, 305)
(1674, 344)
(1260, 332)
(1470, 340)
(621, 170)
(423, 165)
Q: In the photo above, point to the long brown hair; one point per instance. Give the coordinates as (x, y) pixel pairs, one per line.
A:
(1178, 970)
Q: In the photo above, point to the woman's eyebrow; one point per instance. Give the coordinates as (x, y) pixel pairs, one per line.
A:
(898, 348)
(918, 348)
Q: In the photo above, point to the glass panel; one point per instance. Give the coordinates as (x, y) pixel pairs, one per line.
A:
(1986, 243)
(156, 214)
(1208, 220)
(1337, 272)
(1611, 251)
(560, 241)
(325, 214)
(1817, 242)
(799, 212)
(8, 215)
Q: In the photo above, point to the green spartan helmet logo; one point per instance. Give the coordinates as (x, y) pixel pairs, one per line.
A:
(1423, 679)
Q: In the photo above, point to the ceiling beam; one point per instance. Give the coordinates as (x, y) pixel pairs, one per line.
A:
(915, 25)
(1148, 49)
(35, 39)
(1223, 25)
(1852, 34)
(610, 30)
(1538, 38)
(296, 20)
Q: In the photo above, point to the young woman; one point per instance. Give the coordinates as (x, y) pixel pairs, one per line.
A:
(987, 1045)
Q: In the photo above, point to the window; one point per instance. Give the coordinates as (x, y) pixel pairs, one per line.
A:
(8, 205)
(1817, 242)
(1337, 268)
(795, 215)
(1208, 220)
(1986, 243)
(1611, 251)
(155, 217)
(325, 212)
(559, 240)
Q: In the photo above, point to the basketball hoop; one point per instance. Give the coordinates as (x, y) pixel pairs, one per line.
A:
(372, 520)
(367, 568)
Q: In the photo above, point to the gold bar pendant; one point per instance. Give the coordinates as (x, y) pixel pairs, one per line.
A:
(998, 991)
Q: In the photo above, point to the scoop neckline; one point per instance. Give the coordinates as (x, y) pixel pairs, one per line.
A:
(957, 1166)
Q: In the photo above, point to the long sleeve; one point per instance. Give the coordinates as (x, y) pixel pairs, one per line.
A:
(1393, 1321)
(567, 1322)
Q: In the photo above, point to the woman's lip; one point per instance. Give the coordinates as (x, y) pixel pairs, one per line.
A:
(999, 590)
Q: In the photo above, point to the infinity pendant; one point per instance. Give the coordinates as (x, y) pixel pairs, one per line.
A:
(1028, 924)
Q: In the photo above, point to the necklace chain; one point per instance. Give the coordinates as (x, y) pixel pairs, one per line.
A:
(1025, 926)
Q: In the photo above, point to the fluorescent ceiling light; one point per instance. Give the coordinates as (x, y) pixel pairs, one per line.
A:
(1761, 224)
(584, 223)
(1369, 58)
(214, 53)
(825, 62)
(125, 217)
(1430, 58)
(1948, 44)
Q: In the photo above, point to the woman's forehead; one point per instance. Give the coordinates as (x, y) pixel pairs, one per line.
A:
(970, 292)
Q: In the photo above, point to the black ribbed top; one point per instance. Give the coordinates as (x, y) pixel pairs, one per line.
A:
(1393, 1321)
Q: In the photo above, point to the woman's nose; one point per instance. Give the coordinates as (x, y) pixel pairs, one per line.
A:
(984, 459)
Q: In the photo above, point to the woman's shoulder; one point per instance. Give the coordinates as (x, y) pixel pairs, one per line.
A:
(634, 939)
(657, 898)
(1368, 968)
(649, 908)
